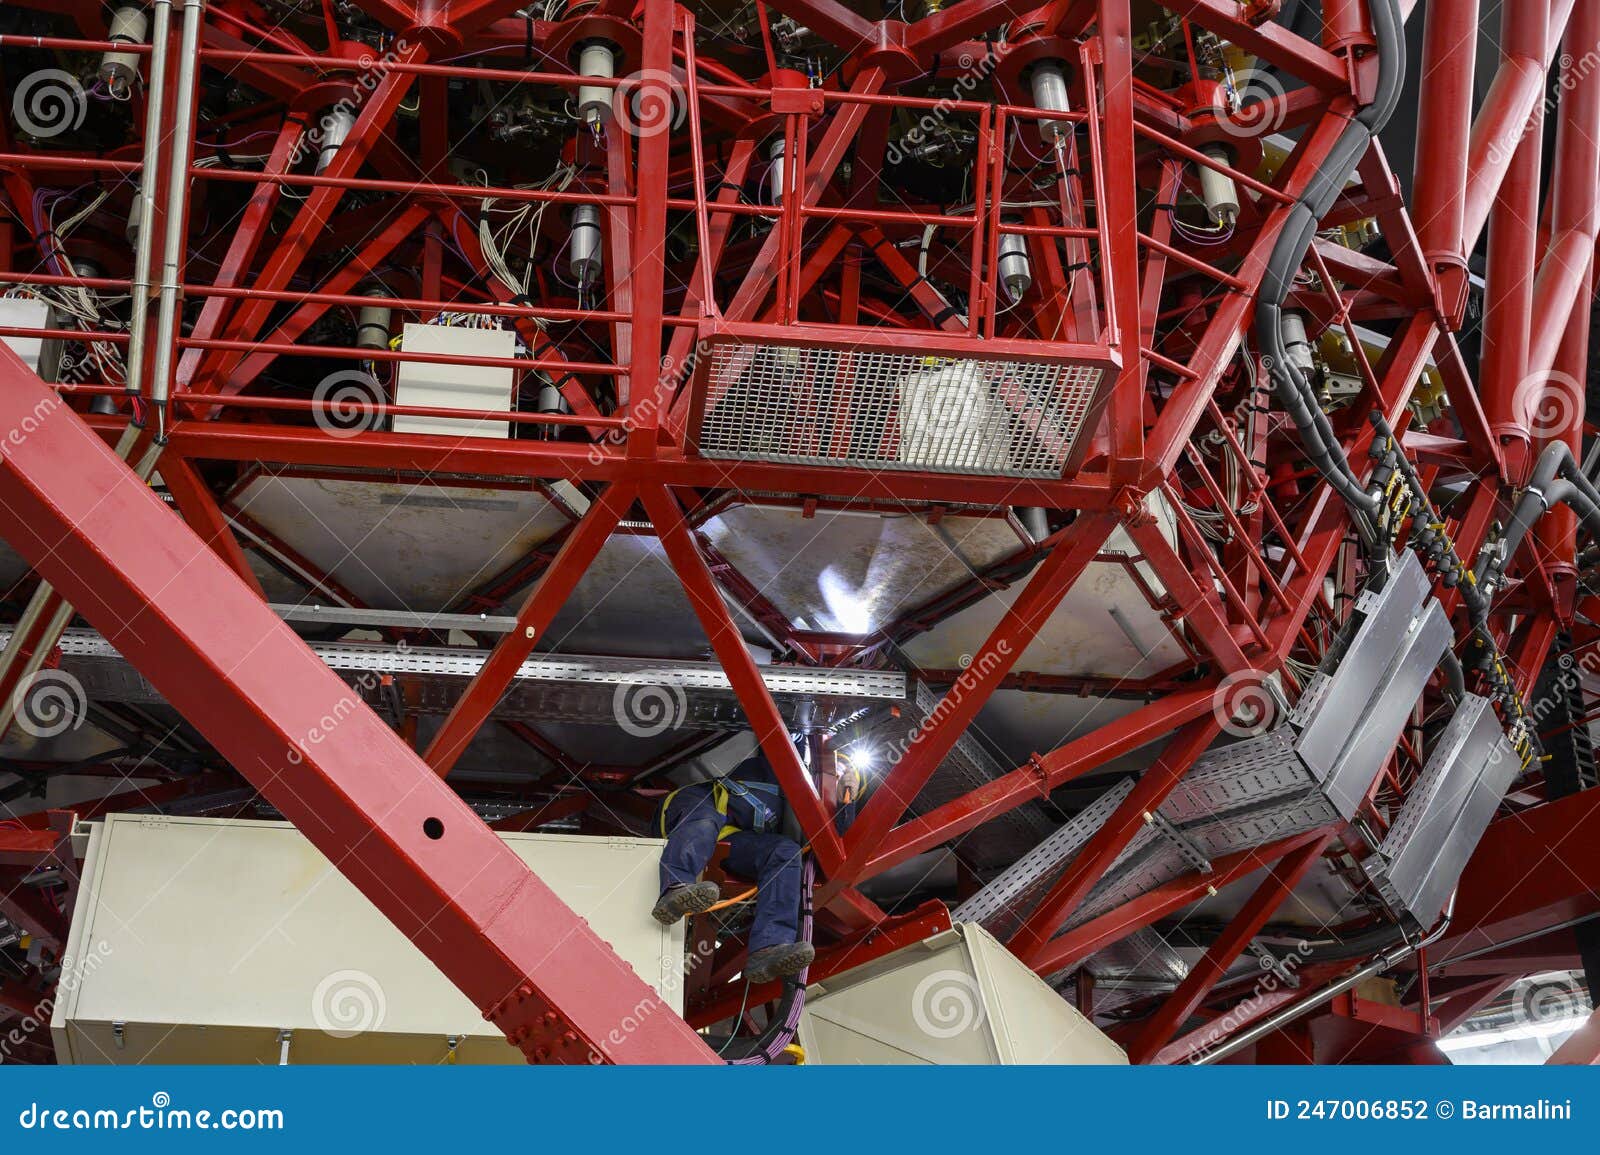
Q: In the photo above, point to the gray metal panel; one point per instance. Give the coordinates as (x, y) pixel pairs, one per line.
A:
(1348, 690)
(1243, 774)
(1358, 712)
(1006, 899)
(653, 696)
(1446, 813)
(1373, 738)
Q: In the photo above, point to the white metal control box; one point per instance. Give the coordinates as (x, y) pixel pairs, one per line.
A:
(41, 354)
(199, 940)
(958, 997)
(432, 385)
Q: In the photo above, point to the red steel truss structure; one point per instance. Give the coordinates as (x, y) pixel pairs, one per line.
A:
(717, 255)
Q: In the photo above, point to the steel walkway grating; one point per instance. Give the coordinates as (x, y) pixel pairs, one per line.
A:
(884, 410)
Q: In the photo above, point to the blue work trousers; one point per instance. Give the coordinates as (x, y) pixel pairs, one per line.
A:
(771, 860)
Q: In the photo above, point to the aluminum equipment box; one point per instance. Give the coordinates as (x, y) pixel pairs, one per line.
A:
(958, 997)
(199, 940)
(427, 383)
(1446, 813)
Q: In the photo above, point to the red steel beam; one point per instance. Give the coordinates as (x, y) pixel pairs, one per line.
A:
(1082, 941)
(545, 599)
(205, 516)
(425, 453)
(961, 703)
(1040, 776)
(262, 697)
(1444, 126)
(1280, 882)
(1097, 855)
(744, 675)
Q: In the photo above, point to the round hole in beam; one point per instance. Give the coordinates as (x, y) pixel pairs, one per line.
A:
(433, 828)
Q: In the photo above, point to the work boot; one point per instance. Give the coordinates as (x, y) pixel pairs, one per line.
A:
(685, 898)
(776, 962)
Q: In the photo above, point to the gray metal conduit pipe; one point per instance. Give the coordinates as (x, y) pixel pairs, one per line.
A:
(1323, 996)
(149, 177)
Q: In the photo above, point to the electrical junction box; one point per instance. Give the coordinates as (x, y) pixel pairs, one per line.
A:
(433, 385)
(41, 354)
(958, 997)
(200, 940)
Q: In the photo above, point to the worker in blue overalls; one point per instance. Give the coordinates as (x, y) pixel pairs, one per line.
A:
(746, 807)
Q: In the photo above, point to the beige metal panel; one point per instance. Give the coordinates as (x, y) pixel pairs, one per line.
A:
(426, 383)
(856, 572)
(206, 938)
(1104, 626)
(956, 998)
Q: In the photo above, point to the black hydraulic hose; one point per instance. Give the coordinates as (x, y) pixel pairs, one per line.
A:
(1293, 391)
(1557, 479)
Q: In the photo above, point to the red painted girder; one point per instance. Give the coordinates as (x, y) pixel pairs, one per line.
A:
(247, 237)
(1178, 418)
(1272, 42)
(1022, 621)
(1102, 849)
(539, 608)
(302, 445)
(262, 698)
(1202, 1039)
(1533, 869)
(1035, 780)
(836, 23)
(744, 675)
(1082, 941)
(372, 254)
(1502, 119)
(1279, 884)
(200, 509)
(1460, 1006)
(314, 214)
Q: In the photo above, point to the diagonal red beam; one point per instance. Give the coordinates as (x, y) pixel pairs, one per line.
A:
(294, 326)
(942, 30)
(1272, 42)
(539, 608)
(1201, 605)
(1035, 780)
(834, 22)
(1170, 897)
(204, 515)
(743, 674)
(1280, 882)
(961, 703)
(1097, 855)
(315, 211)
(259, 694)
(246, 243)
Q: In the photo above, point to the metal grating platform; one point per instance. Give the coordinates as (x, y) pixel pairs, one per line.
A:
(884, 410)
